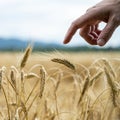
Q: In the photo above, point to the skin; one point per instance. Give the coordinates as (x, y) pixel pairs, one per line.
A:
(107, 11)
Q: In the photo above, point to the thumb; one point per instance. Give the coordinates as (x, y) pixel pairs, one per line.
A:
(107, 32)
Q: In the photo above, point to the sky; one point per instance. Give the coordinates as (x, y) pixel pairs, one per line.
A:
(46, 20)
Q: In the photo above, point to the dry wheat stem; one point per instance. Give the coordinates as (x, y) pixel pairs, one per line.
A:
(95, 77)
(85, 88)
(24, 110)
(31, 92)
(0, 79)
(106, 108)
(98, 97)
(32, 102)
(57, 110)
(31, 75)
(112, 86)
(17, 116)
(11, 85)
(109, 67)
(6, 99)
(35, 67)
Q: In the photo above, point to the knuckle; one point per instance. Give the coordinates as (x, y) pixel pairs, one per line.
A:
(74, 25)
(116, 20)
(90, 9)
(82, 34)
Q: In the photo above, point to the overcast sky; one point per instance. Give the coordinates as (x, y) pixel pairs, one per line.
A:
(44, 19)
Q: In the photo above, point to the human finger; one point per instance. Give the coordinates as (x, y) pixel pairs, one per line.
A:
(107, 32)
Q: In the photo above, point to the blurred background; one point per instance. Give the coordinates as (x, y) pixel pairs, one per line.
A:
(44, 23)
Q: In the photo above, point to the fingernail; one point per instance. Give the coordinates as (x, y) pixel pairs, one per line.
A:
(100, 42)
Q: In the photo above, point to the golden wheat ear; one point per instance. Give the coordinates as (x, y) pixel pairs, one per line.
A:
(42, 81)
(25, 56)
(64, 62)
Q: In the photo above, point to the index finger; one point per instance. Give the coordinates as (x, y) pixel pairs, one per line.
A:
(71, 31)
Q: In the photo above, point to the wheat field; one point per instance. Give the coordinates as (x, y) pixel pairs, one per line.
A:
(59, 86)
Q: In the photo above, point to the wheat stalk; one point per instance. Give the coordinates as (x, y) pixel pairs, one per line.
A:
(109, 67)
(32, 102)
(0, 79)
(95, 77)
(6, 99)
(24, 110)
(17, 116)
(31, 91)
(114, 90)
(31, 75)
(85, 88)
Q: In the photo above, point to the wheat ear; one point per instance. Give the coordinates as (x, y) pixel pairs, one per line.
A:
(64, 62)
(13, 80)
(42, 81)
(25, 57)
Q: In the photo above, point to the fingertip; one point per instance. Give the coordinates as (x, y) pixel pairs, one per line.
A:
(101, 42)
(67, 39)
(65, 42)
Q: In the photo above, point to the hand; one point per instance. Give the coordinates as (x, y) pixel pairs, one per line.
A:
(107, 11)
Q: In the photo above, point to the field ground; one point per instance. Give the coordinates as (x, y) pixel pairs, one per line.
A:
(80, 89)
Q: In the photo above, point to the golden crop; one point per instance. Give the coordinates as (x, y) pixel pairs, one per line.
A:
(59, 86)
